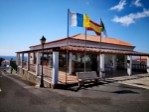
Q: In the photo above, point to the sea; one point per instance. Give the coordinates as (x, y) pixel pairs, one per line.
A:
(13, 57)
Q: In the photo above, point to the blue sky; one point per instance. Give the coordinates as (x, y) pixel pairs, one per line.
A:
(24, 22)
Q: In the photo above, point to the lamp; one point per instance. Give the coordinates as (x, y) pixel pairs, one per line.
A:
(43, 41)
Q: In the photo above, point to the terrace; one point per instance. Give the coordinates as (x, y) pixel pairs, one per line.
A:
(62, 58)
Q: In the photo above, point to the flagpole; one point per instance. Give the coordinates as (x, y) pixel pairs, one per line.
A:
(68, 12)
(100, 50)
(85, 50)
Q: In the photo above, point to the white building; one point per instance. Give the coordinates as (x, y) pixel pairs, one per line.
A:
(93, 54)
(5, 63)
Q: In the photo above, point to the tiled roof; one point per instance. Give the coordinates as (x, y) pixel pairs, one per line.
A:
(143, 58)
(93, 39)
(5, 61)
(103, 39)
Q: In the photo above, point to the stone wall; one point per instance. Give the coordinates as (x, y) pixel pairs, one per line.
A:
(32, 77)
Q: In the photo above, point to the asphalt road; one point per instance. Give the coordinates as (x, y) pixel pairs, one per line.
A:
(17, 95)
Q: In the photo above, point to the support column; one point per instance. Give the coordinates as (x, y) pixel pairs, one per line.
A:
(102, 65)
(28, 61)
(98, 64)
(17, 60)
(38, 58)
(55, 68)
(147, 64)
(22, 60)
(34, 58)
(129, 65)
(70, 63)
(31, 58)
(125, 62)
(114, 61)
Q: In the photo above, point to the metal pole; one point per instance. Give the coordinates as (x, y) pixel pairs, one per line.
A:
(68, 11)
(42, 77)
(100, 50)
(85, 50)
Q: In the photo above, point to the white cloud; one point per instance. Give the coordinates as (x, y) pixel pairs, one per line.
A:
(120, 5)
(131, 18)
(138, 3)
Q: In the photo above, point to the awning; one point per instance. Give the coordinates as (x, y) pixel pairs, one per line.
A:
(87, 50)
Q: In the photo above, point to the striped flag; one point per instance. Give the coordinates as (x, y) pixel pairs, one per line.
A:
(81, 20)
(95, 27)
(104, 29)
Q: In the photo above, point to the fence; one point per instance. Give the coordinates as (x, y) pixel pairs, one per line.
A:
(139, 67)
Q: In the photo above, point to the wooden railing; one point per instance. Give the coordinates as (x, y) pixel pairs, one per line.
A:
(32, 67)
(19, 62)
(47, 71)
(25, 64)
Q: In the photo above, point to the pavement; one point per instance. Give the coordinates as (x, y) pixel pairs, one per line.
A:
(111, 95)
(139, 80)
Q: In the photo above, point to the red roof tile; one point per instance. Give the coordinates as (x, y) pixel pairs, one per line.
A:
(105, 40)
(143, 58)
(93, 39)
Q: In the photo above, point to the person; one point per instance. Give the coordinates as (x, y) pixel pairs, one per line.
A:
(111, 64)
(1, 59)
(11, 65)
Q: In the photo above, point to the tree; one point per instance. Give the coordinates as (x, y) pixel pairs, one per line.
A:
(1, 59)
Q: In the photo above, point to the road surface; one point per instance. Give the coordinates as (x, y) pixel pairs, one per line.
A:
(17, 95)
